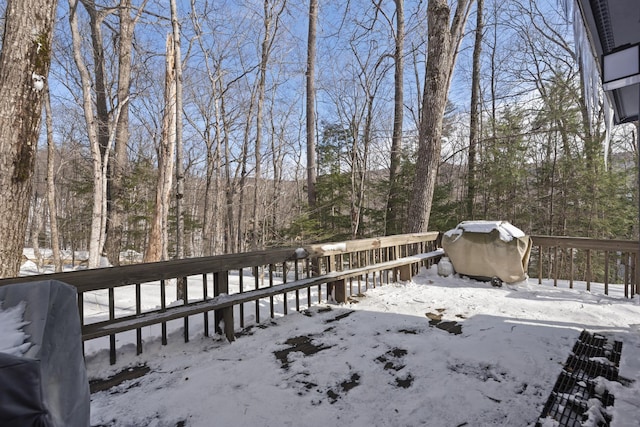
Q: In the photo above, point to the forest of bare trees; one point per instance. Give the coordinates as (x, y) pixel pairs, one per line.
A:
(214, 127)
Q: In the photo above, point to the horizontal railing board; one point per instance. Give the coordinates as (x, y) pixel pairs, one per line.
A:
(586, 243)
(121, 324)
(336, 248)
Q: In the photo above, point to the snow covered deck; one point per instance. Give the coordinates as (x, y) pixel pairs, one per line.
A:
(382, 362)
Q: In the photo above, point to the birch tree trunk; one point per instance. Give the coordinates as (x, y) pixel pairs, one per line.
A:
(24, 66)
(96, 238)
(100, 146)
(443, 43)
(157, 248)
(217, 247)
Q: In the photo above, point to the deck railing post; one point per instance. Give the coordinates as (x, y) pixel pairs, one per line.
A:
(221, 286)
(606, 272)
(138, 311)
(340, 290)
(272, 311)
(163, 307)
(635, 287)
(331, 286)
(80, 302)
(405, 272)
(112, 316)
(182, 283)
(205, 296)
(571, 270)
(588, 269)
(626, 273)
(540, 253)
(556, 266)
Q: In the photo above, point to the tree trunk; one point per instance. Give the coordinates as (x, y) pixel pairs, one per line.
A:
(51, 188)
(271, 19)
(443, 46)
(217, 247)
(102, 110)
(37, 212)
(493, 96)
(244, 157)
(157, 248)
(475, 119)
(356, 171)
(101, 127)
(209, 188)
(393, 199)
(99, 164)
(243, 180)
(230, 186)
(363, 168)
(278, 155)
(116, 211)
(311, 107)
(179, 146)
(24, 65)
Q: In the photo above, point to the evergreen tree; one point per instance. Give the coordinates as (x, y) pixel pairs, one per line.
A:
(504, 169)
(333, 183)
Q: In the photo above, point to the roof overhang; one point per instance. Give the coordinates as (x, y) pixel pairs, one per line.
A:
(613, 31)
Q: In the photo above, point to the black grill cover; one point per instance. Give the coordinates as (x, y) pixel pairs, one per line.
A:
(47, 385)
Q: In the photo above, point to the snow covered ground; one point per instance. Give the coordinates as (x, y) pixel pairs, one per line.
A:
(379, 361)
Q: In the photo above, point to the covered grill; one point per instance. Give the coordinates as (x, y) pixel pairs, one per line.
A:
(488, 250)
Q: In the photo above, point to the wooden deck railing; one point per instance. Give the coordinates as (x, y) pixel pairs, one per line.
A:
(241, 289)
(576, 259)
(228, 285)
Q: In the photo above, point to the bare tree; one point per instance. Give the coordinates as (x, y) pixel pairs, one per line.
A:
(158, 243)
(444, 37)
(475, 114)
(393, 202)
(99, 153)
(371, 72)
(51, 187)
(116, 196)
(101, 124)
(206, 101)
(311, 107)
(271, 21)
(179, 146)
